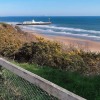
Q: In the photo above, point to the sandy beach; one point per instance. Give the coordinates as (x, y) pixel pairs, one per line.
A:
(87, 45)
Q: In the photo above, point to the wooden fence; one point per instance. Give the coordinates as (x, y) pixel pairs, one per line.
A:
(50, 88)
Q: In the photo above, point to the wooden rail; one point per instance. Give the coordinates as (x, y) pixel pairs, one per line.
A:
(51, 88)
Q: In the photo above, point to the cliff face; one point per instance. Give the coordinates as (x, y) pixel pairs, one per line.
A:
(12, 38)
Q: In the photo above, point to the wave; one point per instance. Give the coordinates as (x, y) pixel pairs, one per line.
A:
(69, 33)
(64, 33)
(67, 29)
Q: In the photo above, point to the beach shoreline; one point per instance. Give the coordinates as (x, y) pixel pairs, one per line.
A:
(87, 45)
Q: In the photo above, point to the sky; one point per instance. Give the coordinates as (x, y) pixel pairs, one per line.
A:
(49, 7)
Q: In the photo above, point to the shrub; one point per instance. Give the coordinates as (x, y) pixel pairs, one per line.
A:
(92, 61)
(51, 54)
(41, 52)
(10, 41)
(3, 25)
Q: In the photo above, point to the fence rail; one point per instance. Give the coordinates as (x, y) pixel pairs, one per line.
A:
(53, 91)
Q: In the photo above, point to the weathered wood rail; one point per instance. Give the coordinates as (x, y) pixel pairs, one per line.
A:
(51, 88)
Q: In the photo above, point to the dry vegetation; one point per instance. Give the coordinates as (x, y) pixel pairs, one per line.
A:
(11, 39)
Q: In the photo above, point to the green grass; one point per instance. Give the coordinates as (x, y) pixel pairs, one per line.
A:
(85, 86)
(15, 88)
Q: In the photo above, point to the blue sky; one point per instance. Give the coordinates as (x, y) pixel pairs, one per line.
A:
(50, 7)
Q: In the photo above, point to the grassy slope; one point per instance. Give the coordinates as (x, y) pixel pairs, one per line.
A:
(87, 87)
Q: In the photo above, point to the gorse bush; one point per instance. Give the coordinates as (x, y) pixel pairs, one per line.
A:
(92, 62)
(51, 54)
(11, 39)
(41, 52)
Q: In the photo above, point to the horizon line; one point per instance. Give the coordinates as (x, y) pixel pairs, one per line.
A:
(51, 16)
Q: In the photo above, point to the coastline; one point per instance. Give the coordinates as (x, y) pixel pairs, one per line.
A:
(87, 45)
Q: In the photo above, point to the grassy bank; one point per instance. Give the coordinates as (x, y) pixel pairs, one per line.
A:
(87, 87)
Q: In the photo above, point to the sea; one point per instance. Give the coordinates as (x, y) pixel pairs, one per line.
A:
(84, 27)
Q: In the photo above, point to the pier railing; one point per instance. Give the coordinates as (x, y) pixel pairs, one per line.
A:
(17, 83)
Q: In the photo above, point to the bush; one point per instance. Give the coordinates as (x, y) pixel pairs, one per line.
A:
(51, 54)
(10, 41)
(92, 61)
(41, 52)
(3, 25)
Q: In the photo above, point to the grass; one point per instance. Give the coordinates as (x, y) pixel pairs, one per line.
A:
(85, 86)
(15, 88)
